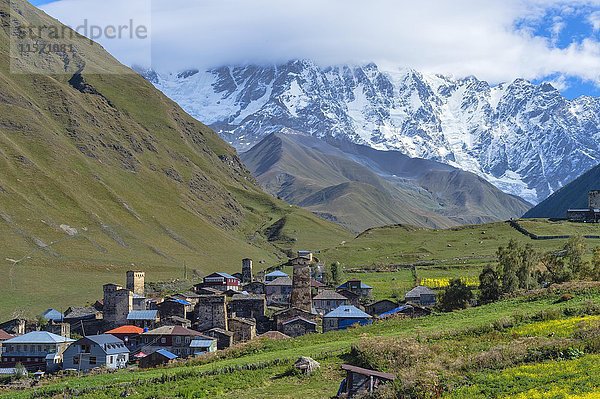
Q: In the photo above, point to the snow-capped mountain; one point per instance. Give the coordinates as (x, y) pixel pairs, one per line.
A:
(526, 139)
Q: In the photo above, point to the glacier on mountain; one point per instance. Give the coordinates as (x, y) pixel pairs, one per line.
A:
(526, 139)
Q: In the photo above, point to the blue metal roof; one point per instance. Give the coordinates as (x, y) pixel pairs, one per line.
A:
(395, 311)
(110, 344)
(181, 301)
(167, 354)
(143, 315)
(347, 312)
(52, 314)
(277, 273)
(38, 337)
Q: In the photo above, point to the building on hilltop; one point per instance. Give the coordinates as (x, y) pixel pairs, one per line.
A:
(589, 215)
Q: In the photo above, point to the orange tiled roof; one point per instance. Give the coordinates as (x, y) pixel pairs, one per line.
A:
(126, 330)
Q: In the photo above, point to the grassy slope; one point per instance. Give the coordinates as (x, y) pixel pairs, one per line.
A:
(144, 184)
(460, 246)
(459, 334)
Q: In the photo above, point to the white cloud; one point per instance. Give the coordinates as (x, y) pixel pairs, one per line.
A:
(459, 37)
(594, 19)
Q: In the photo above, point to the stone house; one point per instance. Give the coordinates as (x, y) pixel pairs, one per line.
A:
(352, 297)
(175, 307)
(198, 289)
(175, 339)
(248, 306)
(160, 357)
(37, 350)
(357, 287)
(328, 300)
(243, 329)
(190, 297)
(299, 326)
(316, 287)
(279, 291)
(255, 287)
(422, 296)
(14, 326)
(95, 351)
(224, 338)
(143, 318)
(211, 312)
(344, 317)
(379, 307)
(287, 314)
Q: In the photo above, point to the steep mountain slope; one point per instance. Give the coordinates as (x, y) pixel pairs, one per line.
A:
(573, 195)
(525, 139)
(359, 188)
(100, 172)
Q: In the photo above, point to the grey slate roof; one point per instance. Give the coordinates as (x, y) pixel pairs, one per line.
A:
(280, 281)
(330, 295)
(347, 312)
(418, 291)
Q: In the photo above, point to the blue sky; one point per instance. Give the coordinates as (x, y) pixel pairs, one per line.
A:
(539, 40)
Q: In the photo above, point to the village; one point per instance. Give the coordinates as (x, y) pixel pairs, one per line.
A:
(127, 329)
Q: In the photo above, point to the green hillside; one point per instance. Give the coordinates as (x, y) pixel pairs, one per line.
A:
(532, 346)
(100, 172)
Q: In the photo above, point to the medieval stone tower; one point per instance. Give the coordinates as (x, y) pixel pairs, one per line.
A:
(594, 199)
(301, 295)
(118, 302)
(246, 271)
(211, 311)
(135, 282)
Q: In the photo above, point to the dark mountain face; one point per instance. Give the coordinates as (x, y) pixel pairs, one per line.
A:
(574, 195)
(525, 139)
(360, 187)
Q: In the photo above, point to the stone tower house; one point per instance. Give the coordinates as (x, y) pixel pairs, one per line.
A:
(301, 294)
(246, 271)
(135, 282)
(594, 199)
(211, 312)
(118, 302)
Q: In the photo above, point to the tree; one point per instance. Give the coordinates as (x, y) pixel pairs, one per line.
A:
(335, 273)
(594, 271)
(557, 270)
(575, 250)
(509, 262)
(489, 285)
(457, 296)
(529, 259)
